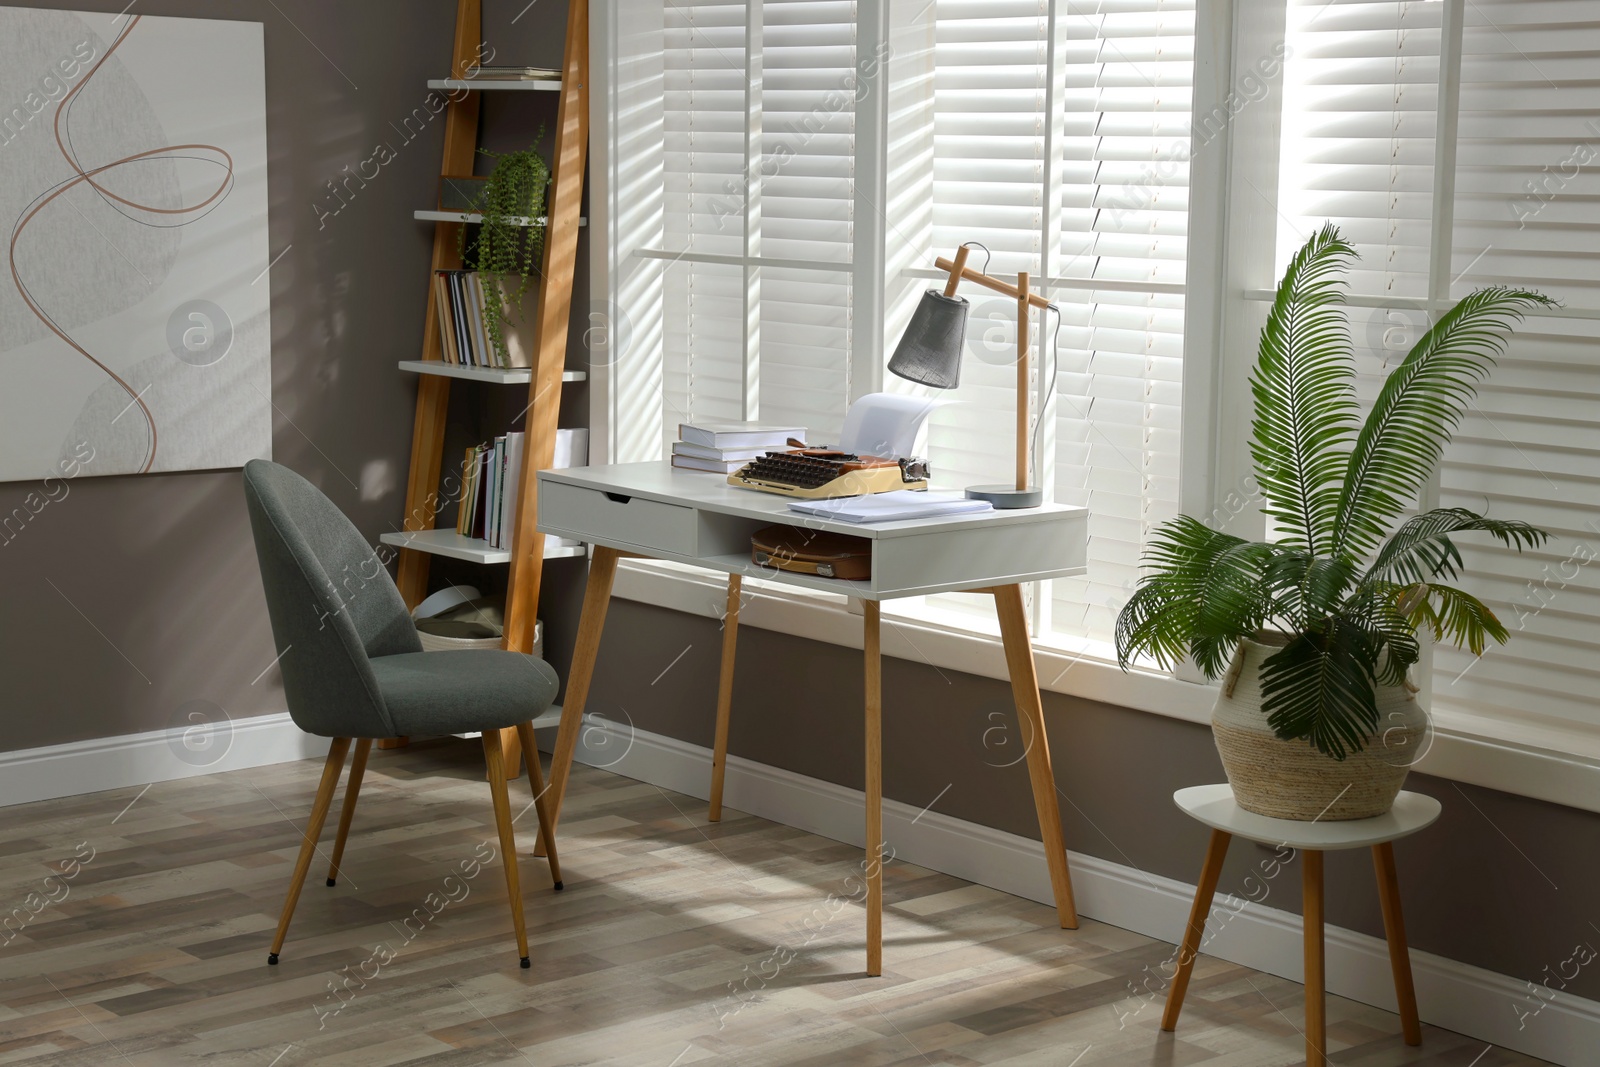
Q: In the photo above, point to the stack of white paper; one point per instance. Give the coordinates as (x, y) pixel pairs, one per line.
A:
(890, 507)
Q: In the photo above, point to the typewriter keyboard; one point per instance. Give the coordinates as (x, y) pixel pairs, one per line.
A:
(802, 472)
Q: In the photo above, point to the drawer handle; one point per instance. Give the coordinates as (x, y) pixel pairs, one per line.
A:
(618, 498)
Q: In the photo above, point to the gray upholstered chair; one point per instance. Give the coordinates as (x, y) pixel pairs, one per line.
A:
(353, 668)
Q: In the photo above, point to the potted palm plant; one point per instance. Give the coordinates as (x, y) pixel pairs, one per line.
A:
(1314, 632)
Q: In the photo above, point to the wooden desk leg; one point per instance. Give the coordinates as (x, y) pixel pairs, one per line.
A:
(1216, 852)
(1394, 927)
(874, 759)
(1316, 969)
(1025, 690)
(719, 748)
(596, 598)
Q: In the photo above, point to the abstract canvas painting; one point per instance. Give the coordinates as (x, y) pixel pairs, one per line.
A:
(134, 332)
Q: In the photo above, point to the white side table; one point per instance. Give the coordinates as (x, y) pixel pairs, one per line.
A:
(1214, 805)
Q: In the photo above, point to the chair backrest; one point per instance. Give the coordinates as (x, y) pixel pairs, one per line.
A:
(332, 604)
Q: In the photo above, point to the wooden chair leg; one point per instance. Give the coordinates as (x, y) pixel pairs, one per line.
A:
(1216, 852)
(495, 758)
(1316, 968)
(511, 747)
(358, 769)
(541, 805)
(719, 748)
(319, 814)
(1394, 928)
(874, 759)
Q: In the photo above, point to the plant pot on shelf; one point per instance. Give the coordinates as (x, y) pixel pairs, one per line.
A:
(1291, 779)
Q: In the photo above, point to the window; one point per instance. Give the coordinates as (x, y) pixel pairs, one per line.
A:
(1056, 134)
(1455, 143)
(783, 173)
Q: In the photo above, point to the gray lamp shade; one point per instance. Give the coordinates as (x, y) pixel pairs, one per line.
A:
(929, 352)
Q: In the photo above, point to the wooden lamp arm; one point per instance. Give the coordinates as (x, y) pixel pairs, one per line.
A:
(959, 271)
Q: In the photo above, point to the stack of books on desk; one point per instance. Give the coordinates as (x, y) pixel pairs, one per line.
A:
(724, 447)
(490, 476)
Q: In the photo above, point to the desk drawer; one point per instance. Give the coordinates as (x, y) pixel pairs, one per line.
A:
(593, 515)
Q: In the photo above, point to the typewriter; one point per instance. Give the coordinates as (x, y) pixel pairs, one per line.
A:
(815, 473)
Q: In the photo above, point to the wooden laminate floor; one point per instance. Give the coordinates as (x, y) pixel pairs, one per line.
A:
(676, 942)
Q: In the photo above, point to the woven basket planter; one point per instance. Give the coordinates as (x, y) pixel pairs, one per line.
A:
(1291, 779)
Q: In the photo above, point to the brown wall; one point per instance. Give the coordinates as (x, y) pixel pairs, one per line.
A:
(1502, 882)
(131, 596)
(159, 600)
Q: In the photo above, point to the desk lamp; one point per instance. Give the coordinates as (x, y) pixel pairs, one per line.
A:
(929, 353)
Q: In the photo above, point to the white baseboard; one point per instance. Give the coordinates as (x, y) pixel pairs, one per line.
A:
(1451, 994)
(1457, 996)
(153, 756)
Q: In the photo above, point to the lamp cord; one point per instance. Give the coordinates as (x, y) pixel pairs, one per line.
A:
(987, 255)
(1050, 391)
(1055, 358)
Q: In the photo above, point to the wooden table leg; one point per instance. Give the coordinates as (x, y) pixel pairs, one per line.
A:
(874, 760)
(1030, 710)
(719, 748)
(596, 598)
(1316, 969)
(1216, 852)
(1394, 927)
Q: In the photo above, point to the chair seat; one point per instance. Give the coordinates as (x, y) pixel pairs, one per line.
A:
(465, 691)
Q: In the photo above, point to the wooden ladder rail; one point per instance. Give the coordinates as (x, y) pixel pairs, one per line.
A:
(433, 390)
(563, 209)
(563, 206)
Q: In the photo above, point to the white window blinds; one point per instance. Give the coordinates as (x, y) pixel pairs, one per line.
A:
(1061, 142)
(1055, 132)
(1366, 136)
(759, 114)
(1124, 224)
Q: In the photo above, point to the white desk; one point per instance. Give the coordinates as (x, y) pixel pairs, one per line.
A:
(662, 512)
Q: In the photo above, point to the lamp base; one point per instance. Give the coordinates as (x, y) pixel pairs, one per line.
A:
(1007, 496)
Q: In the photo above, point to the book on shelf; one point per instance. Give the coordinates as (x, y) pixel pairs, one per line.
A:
(491, 476)
(714, 433)
(459, 296)
(501, 72)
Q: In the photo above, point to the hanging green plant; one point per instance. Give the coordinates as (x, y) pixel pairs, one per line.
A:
(506, 245)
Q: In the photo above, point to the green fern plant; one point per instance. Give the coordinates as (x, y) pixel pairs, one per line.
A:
(515, 189)
(1348, 583)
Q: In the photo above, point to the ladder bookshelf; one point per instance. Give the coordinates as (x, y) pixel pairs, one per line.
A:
(419, 541)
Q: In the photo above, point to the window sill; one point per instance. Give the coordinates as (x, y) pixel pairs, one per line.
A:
(1464, 749)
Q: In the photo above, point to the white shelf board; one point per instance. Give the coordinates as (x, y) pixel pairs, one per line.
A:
(493, 375)
(474, 549)
(521, 85)
(473, 216)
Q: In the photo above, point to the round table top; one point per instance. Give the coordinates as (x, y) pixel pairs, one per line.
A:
(1214, 805)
